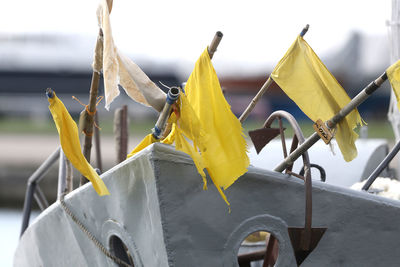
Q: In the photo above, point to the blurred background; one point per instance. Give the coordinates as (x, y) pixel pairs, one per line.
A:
(50, 43)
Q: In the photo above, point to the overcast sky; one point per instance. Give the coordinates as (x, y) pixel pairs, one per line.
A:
(256, 33)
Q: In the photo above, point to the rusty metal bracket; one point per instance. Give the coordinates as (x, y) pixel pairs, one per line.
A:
(323, 131)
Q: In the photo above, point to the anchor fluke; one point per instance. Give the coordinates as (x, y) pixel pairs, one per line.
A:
(261, 137)
(299, 241)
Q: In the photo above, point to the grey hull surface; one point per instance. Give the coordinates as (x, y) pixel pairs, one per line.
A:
(158, 208)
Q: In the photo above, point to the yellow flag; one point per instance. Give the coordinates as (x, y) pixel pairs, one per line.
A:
(70, 144)
(205, 118)
(393, 73)
(148, 140)
(188, 127)
(224, 152)
(183, 145)
(306, 80)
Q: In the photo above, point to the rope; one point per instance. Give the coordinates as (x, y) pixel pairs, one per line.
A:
(87, 134)
(87, 106)
(99, 99)
(91, 236)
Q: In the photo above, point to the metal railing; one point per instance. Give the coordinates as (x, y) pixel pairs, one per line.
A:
(33, 190)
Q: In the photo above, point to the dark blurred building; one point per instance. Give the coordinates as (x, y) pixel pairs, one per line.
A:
(31, 63)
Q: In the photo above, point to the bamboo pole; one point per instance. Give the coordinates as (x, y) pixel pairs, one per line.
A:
(264, 88)
(255, 100)
(90, 111)
(94, 88)
(97, 143)
(121, 132)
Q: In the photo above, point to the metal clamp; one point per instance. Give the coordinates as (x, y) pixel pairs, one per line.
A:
(172, 96)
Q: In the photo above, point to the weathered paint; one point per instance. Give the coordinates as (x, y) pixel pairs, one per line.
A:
(159, 209)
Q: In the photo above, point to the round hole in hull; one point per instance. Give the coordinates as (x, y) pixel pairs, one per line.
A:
(260, 248)
(120, 250)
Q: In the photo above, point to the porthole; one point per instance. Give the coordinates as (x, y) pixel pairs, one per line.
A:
(120, 250)
(257, 248)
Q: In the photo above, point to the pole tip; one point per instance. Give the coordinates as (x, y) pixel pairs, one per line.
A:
(49, 93)
(219, 34)
(110, 5)
(305, 30)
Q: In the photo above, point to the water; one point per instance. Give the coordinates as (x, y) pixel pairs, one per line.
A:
(10, 227)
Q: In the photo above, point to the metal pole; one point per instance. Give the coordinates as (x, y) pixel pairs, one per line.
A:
(69, 176)
(214, 43)
(355, 102)
(382, 166)
(44, 168)
(40, 198)
(304, 30)
(62, 185)
(264, 88)
(26, 213)
(31, 185)
(172, 97)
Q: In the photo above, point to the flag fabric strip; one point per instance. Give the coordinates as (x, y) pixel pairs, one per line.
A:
(69, 139)
(306, 80)
(393, 73)
(148, 140)
(119, 69)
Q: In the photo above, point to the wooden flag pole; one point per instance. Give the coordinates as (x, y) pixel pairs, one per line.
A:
(253, 102)
(97, 146)
(121, 132)
(91, 107)
(264, 88)
(94, 89)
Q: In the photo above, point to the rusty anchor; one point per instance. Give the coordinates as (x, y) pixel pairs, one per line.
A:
(303, 239)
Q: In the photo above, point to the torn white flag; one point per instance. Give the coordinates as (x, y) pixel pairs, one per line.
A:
(119, 69)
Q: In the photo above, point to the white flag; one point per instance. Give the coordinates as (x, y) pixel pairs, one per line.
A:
(119, 69)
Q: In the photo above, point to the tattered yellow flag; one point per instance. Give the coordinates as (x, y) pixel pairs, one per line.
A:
(70, 144)
(206, 129)
(148, 140)
(306, 80)
(225, 148)
(393, 73)
(188, 127)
